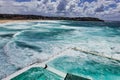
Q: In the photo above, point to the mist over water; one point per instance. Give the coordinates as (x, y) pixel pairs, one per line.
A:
(22, 44)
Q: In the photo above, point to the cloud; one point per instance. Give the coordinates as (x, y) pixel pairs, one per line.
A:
(100, 9)
(105, 9)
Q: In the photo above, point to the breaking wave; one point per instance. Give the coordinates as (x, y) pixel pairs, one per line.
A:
(23, 44)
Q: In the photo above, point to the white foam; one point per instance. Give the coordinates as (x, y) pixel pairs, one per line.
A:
(84, 38)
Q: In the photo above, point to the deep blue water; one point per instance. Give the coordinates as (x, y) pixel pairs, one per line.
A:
(25, 43)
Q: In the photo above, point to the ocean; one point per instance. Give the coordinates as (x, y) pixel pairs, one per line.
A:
(25, 43)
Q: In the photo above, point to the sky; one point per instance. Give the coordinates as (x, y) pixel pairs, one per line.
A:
(103, 9)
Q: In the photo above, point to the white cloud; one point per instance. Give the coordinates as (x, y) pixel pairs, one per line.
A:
(99, 8)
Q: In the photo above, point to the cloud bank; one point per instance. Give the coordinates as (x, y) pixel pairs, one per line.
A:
(104, 9)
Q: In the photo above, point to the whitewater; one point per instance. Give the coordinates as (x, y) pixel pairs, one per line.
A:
(93, 47)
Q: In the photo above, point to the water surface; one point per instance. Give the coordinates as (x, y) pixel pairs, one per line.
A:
(25, 43)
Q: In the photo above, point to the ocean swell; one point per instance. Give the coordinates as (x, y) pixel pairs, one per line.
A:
(23, 44)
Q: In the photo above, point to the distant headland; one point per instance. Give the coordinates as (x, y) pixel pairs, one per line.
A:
(39, 17)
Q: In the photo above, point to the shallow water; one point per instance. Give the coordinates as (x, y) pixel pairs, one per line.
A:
(87, 65)
(22, 44)
(37, 73)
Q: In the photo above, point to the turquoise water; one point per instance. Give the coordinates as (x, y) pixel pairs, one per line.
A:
(30, 42)
(88, 66)
(37, 73)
